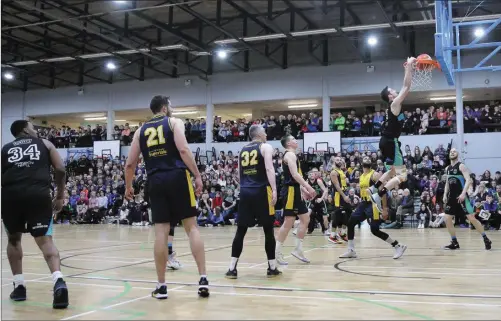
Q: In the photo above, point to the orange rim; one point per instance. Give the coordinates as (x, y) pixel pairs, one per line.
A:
(432, 62)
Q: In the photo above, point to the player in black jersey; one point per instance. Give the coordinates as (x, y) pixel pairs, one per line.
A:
(27, 204)
(296, 190)
(317, 204)
(169, 161)
(258, 195)
(389, 143)
(456, 200)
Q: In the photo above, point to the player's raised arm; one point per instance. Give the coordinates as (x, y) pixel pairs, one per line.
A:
(396, 105)
(131, 164)
(267, 152)
(291, 159)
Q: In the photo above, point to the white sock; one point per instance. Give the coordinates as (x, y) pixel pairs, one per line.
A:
(56, 275)
(343, 231)
(203, 276)
(278, 247)
(233, 263)
(299, 244)
(273, 264)
(351, 245)
(18, 280)
(159, 285)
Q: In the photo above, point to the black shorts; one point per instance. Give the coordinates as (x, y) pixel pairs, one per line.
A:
(255, 206)
(366, 210)
(172, 196)
(293, 203)
(392, 154)
(319, 208)
(452, 207)
(27, 213)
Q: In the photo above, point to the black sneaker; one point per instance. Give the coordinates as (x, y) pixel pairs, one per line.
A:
(203, 288)
(231, 274)
(488, 243)
(273, 273)
(19, 293)
(160, 293)
(452, 246)
(61, 300)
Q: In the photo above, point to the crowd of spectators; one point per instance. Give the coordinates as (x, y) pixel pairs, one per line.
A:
(433, 120)
(95, 189)
(84, 136)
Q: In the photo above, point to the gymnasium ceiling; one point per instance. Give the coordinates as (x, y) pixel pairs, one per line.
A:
(54, 43)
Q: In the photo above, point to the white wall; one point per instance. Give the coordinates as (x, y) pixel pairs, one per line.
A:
(293, 83)
(12, 109)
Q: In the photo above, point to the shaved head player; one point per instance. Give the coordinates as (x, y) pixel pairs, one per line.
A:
(389, 143)
(168, 158)
(27, 204)
(456, 200)
(258, 195)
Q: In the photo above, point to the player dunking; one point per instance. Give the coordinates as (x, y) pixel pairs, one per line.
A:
(27, 204)
(317, 204)
(296, 190)
(456, 199)
(342, 203)
(366, 210)
(168, 158)
(389, 143)
(258, 195)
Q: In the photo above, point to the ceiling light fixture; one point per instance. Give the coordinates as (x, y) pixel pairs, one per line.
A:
(479, 32)
(302, 106)
(95, 118)
(443, 98)
(184, 112)
(8, 76)
(111, 66)
(372, 41)
(222, 54)
(120, 120)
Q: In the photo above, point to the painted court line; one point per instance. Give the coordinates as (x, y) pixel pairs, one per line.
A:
(286, 257)
(178, 289)
(426, 294)
(114, 305)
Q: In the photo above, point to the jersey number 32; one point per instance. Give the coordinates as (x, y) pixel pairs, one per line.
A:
(17, 153)
(249, 158)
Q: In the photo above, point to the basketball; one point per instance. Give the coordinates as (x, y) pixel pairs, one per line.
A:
(423, 57)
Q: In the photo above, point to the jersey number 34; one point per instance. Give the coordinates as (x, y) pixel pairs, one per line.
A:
(17, 153)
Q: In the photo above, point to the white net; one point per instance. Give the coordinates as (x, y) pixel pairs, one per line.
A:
(422, 76)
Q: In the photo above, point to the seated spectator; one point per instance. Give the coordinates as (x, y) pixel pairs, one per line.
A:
(406, 207)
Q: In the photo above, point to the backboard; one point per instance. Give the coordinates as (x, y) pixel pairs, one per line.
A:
(447, 40)
(444, 38)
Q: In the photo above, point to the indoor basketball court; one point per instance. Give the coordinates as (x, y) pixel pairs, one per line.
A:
(110, 274)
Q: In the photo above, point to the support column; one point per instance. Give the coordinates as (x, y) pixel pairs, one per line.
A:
(209, 126)
(326, 105)
(110, 123)
(459, 114)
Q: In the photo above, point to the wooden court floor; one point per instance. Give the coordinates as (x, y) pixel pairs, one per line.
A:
(110, 274)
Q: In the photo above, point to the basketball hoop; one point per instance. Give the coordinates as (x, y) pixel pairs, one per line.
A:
(422, 74)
